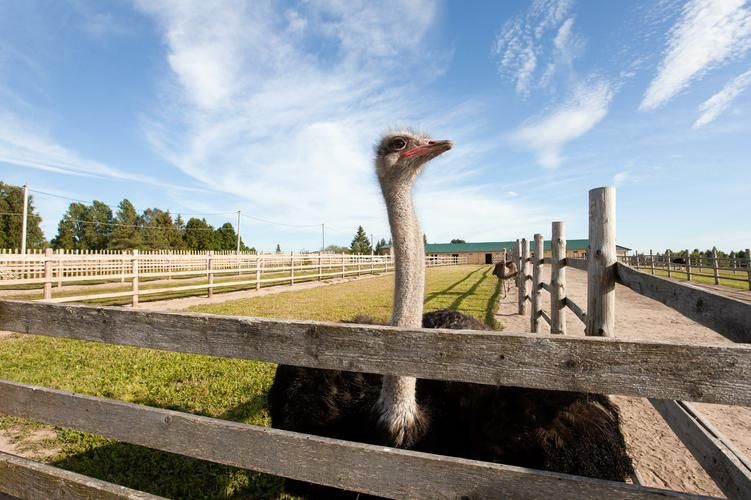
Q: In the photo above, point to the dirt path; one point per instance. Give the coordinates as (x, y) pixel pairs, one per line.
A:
(661, 459)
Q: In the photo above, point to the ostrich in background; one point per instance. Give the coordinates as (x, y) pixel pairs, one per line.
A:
(505, 271)
(567, 432)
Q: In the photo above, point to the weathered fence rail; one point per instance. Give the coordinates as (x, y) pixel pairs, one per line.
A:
(731, 318)
(688, 266)
(48, 269)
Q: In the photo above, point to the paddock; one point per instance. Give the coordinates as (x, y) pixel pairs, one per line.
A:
(668, 372)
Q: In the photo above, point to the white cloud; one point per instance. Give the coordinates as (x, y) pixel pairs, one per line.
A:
(547, 136)
(619, 178)
(708, 34)
(715, 105)
(24, 145)
(281, 108)
(521, 43)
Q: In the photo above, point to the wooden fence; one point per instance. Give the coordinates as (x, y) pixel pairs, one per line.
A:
(685, 265)
(52, 270)
(727, 466)
(660, 370)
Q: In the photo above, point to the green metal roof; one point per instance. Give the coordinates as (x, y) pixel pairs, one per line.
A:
(492, 246)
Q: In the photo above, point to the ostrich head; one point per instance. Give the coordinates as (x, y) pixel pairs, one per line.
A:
(401, 156)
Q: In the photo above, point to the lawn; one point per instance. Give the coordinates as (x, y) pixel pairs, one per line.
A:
(217, 387)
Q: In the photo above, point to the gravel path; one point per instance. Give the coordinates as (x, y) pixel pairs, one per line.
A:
(661, 459)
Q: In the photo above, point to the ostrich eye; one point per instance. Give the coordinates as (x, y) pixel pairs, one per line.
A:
(398, 144)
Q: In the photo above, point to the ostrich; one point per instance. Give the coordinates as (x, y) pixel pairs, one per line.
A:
(504, 272)
(559, 431)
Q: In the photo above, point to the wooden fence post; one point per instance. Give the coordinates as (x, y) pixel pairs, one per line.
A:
(668, 256)
(601, 263)
(342, 265)
(60, 269)
(517, 257)
(320, 266)
(558, 279)
(372, 261)
(536, 296)
(523, 273)
(258, 271)
(134, 283)
(715, 266)
(688, 265)
(652, 261)
(47, 273)
(291, 268)
(210, 271)
(748, 267)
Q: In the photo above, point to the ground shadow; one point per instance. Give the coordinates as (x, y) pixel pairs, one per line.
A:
(433, 295)
(491, 306)
(168, 474)
(470, 291)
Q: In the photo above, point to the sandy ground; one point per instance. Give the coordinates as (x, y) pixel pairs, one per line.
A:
(661, 459)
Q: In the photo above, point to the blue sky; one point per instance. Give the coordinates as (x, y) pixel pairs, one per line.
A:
(273, 108)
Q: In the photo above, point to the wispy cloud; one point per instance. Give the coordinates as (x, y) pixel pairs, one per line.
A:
(546, 136)
(715, 105)
(521, 43)
(619, 178)
(708, 34)
(282, 108)
(24, 145)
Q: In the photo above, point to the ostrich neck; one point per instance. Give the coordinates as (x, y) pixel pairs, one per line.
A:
(399, 412)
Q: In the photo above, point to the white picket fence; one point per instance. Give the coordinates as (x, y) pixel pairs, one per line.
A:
(50, 269)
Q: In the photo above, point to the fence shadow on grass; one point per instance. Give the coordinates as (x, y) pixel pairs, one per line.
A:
(456, 304)
(169, 474)
(433, 295)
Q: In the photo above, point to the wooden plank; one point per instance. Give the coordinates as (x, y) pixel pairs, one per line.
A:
(611, 366)
(578, 311)
(536, 294)
(370, 469)
(545, 286)
(24, 478)
(727, 316)
(580, 264)
(558, 278)
(713, 451)
(601, 257)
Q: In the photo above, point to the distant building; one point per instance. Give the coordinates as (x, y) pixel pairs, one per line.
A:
(489, 252)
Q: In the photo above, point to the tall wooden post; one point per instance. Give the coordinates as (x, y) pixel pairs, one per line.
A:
(558, 279)
(523, 272)
(47, 273)
(715, 267)
(518, 261)
(688, 265)
(601, 263)
(536, 296)
(210, 271)
(258, 271)
(291, 268)
(320, 266)
(652, 261)
(60, 270)
(134, 283)
(342, 265)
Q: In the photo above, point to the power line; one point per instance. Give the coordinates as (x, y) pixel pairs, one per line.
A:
(44, 193)
(279, 223)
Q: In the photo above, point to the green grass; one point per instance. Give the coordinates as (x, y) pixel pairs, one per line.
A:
(740, 281)
(154, 283)
(217, 387)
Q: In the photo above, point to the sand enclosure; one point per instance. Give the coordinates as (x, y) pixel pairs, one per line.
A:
(661, 459)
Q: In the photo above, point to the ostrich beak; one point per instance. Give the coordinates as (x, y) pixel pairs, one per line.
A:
(433, 148)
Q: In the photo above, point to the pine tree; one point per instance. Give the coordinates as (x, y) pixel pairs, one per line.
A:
(71, 230)
(380, 246)
(199, 235)
(98, 227)
(278, 248)
(11, 202)
(360, 244)
(126, 231)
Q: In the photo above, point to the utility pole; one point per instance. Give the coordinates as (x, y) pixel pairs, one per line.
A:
(25, 217)
(238, 232)
(323, 238)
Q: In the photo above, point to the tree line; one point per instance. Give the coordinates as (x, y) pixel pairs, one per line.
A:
(95, 227)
